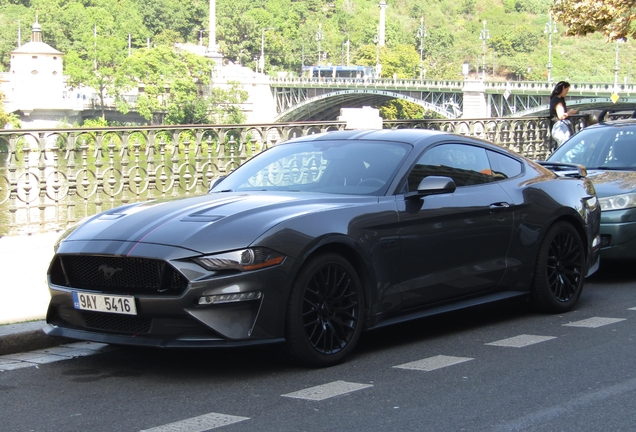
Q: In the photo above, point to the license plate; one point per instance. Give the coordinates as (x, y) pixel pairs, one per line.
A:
(105, 303)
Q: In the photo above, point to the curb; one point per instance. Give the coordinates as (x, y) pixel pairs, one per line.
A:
(23, 337)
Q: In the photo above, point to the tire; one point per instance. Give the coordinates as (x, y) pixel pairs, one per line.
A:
(325, 313)
(560, 270)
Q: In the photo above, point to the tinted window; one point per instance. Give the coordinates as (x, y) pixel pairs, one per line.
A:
(503, 167)
(466, 165)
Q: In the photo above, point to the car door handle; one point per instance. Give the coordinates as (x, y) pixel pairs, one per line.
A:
(499, 206)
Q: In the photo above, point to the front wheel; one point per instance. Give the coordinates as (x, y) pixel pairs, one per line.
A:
(559, 270)
(325, 312)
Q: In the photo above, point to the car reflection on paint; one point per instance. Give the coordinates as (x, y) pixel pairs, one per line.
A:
(319, 238)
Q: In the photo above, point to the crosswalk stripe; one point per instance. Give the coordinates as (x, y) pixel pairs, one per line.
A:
(521, 341)
(327, 391)
(594, 322)
(198, 424)
(433, 363)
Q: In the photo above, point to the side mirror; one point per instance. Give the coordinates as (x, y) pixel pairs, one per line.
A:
(433, 185)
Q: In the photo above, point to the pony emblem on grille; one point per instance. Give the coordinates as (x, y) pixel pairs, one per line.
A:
(108, 271)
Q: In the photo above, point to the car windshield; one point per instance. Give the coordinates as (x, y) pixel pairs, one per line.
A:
(610, 148)
(341, 167)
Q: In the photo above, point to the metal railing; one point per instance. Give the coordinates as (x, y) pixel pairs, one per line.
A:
(52, 178)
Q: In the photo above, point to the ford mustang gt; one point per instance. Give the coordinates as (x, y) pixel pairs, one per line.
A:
(319, 238)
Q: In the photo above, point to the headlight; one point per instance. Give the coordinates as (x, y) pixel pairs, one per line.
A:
(243, 260)
(618, 202)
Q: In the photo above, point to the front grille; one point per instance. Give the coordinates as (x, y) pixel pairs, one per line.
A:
(122, 275)
(116, 323)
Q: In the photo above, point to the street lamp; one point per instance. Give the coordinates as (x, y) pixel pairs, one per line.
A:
(484, 35)
(616, 68)
(378, 66)
(421, 34)
(549, 29)
(348, 44)
(319, 37)
(262, 59)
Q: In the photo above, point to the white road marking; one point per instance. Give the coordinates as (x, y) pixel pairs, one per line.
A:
(199, 424)
(432, 363)
(521, 341)
(326, 391)
(634, 308)
(51, 355)
(594, 322)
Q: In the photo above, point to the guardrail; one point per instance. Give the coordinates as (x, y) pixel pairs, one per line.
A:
(53, 177)
(523, 87)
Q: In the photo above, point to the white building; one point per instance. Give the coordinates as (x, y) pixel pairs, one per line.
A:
(35, 87)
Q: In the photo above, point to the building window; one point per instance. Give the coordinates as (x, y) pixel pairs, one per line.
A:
(34, 72)
(34, 57)
(54, 72)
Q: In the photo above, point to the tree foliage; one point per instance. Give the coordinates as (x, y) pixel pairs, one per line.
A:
(95, 35)
(613, 18)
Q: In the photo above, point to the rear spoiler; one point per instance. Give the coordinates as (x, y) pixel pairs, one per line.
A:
(565, 169)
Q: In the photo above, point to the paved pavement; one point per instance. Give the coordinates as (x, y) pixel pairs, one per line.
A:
(24, 296)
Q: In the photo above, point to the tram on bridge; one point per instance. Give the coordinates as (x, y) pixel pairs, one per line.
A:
(344, 72)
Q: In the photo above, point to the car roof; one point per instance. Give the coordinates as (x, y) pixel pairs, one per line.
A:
(409, 136)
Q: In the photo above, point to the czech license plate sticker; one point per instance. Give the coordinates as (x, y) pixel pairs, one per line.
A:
(104, 303)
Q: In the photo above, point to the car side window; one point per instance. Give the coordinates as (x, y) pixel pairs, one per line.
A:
(467, 165)
(503, 167)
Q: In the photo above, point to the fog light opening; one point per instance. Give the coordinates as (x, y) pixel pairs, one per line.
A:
(606, 240)
(230, 298)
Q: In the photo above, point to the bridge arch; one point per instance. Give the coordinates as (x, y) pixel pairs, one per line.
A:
(326, 107)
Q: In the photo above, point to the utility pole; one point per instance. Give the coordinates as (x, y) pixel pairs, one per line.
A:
(319, 37)
(484, 35)
(549, 29)
(616, 68)
(421, 34)
(262, 59)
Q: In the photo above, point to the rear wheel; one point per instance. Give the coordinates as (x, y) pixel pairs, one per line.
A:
(325, 312)
(559, 271)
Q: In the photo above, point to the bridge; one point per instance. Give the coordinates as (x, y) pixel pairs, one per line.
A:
(320, 99)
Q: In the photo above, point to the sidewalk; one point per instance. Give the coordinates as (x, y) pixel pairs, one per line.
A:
(24, 295)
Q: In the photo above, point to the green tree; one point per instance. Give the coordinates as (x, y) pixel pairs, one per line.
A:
(177, 83)
(7, 118)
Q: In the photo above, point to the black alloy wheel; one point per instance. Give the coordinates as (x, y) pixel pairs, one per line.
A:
(325, 312)
(560, 270)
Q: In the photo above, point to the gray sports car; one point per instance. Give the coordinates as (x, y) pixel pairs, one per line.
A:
(608, 152)
(319, 238)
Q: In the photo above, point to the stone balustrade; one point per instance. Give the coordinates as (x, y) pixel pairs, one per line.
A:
(52, 178)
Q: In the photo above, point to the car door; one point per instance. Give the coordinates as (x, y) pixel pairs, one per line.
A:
(453, 244)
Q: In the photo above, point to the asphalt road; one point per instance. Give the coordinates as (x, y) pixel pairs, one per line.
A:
(495, 368)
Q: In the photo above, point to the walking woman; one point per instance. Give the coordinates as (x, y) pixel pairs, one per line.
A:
(561, 130)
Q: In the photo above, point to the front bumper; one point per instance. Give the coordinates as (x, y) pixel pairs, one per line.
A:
(166, 319)
(618, 235)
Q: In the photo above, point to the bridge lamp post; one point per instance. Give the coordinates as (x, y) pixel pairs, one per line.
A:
(319, 37)
(616, 68)
(347, 43)
(378, 66)
(484, 35)
(421, 34)
(549, 29)
(262, 59)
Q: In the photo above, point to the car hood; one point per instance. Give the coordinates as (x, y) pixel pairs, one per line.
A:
(207, 223)
(609, 183)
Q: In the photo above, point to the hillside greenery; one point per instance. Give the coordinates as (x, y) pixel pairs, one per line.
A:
(112, 45)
